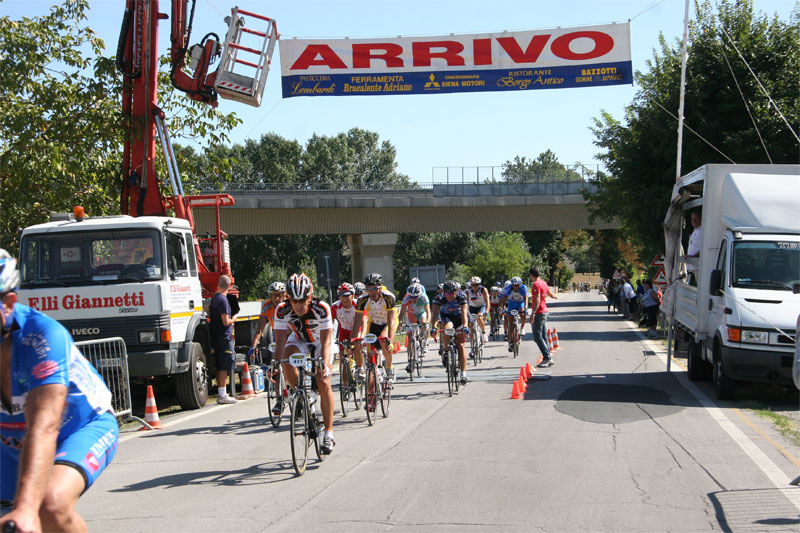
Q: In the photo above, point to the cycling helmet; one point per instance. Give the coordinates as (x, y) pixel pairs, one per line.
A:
(359, 288)
(415, 290)
(474, 280)
(345, 289)
(415, 280)
(299, 287)
(498, 284)
(440, 286)
(9, 275)
(507, 283)
(516, 280)
(276, 286)
(373, 279)
(494, 289)
(451, 286)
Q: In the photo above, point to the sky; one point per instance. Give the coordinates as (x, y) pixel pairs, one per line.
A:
(431, 132)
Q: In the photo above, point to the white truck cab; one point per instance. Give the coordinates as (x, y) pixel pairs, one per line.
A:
(135, 278)
(740, 317)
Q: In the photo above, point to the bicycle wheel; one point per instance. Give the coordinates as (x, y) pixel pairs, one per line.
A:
(451, 382)
(418, 360)
(315, 433)
(275, 395)
(344, 385)
(371, 395)
(381, 374)
(456, 380)
(412, 357)
(473, 345)
(299, 433)
(386, 397)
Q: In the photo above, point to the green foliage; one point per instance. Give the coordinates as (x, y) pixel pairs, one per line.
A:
(257, 288)
(565, 276)
(428, 249)
(640, 149)
(545, 168)
(547, 249)
(460, 273)
(500, 254)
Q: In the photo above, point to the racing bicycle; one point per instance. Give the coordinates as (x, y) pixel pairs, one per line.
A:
(277, 390)
(414, 350)
(377, 387)
(494, 327)
(475, 340)
(513, 334)
(350, 389)
(450, 359)
(306, 424)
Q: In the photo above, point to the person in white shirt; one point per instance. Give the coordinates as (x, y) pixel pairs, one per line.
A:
(695, 244)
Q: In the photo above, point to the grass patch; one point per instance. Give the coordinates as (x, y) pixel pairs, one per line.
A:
(785, 425)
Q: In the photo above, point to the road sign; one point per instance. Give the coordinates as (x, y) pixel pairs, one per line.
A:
(661, 278)
(658, 261)
(429, 276)
(327, 264)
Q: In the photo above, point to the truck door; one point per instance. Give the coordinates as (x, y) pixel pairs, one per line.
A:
(716, 304)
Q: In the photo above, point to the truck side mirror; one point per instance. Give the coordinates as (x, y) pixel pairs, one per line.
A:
(715, 284)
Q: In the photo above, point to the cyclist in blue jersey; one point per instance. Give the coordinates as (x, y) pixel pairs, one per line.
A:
(450, 306)
(57, 428)
(515, 296)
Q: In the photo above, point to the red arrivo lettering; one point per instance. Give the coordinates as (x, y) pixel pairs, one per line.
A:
(388, 52)
(531, 53)
(423, 52)
(327, 57)
(482, 51)
(603, 44)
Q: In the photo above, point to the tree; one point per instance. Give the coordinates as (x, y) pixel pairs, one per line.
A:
(640, 150)
(428, 249)
(500, 254)
(545, 168)
(60, 127)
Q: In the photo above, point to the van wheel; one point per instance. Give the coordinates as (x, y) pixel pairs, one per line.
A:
(724, 386)
(192, 386)
(695, 362)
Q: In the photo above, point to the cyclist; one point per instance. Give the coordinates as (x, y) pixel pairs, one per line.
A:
(301, 322)
(375, 313)
(58, 432)
(451, 309)
(415, 281)
(277, 294)
(417, 310)
(359, 290)
(515, 297)
(478, 299)
(494, 302)
(344, 311)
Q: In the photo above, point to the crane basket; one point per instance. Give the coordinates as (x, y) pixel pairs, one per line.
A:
(246, 88)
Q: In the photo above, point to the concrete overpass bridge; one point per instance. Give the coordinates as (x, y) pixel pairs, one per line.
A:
(372, 218)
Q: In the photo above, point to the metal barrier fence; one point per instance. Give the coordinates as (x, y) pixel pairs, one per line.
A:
(110, 358)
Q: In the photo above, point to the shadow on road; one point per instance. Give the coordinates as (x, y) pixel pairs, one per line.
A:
(270, 472)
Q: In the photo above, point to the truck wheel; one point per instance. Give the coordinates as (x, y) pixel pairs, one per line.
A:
(724, 386)
(695, 362)
(192, 386)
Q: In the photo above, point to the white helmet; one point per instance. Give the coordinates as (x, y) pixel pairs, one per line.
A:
(414, 290)
(474, 280)
(299, 287)
(507, 283)
(9, 275)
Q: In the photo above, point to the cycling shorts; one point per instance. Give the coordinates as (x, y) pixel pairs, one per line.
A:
(343, 335)
(417, 318)
(378, 329)
(305, 347)
(455, 319)
(89, 450)
(477, 310)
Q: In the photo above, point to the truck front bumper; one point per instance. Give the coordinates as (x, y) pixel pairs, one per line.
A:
(153, 363)
(757, 366)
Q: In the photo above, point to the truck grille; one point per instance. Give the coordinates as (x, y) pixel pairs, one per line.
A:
(127, 327)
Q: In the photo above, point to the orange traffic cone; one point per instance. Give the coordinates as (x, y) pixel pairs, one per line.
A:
(529, 370)
(397, 347)
(247, 384)
(549, 338)
(522, 376)
(515, 395)
(555, 344)
(151, 411)
(523, 387)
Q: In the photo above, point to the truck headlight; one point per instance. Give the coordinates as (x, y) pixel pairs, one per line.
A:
(757, 337)
(147, 337)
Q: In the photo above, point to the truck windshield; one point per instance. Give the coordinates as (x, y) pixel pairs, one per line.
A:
(766, 265)
(90, 258)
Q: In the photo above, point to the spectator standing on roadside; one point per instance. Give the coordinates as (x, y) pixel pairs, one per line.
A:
(628, 296)
(651, 304)
(539, 293)
(695, 244)
(221, 326)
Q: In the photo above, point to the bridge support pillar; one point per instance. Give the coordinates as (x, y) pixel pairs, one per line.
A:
(373, 252)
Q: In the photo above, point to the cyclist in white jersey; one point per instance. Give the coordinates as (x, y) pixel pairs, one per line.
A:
(478, 300)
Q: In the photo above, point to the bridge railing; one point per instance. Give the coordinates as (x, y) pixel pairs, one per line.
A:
(438, 190)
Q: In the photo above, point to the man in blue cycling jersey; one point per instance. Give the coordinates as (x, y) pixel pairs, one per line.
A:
(515, 297)
(57, 428)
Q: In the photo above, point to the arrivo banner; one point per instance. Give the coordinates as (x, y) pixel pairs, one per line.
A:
(509, 61)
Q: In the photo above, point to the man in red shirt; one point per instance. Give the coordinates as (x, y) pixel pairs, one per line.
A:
(539, 292)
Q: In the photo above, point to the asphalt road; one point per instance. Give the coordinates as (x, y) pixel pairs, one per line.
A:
(610, 442)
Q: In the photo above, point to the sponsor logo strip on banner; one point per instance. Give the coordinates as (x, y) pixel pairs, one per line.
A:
(508, 61)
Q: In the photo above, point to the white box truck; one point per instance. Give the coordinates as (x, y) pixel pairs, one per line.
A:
(738, 315)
